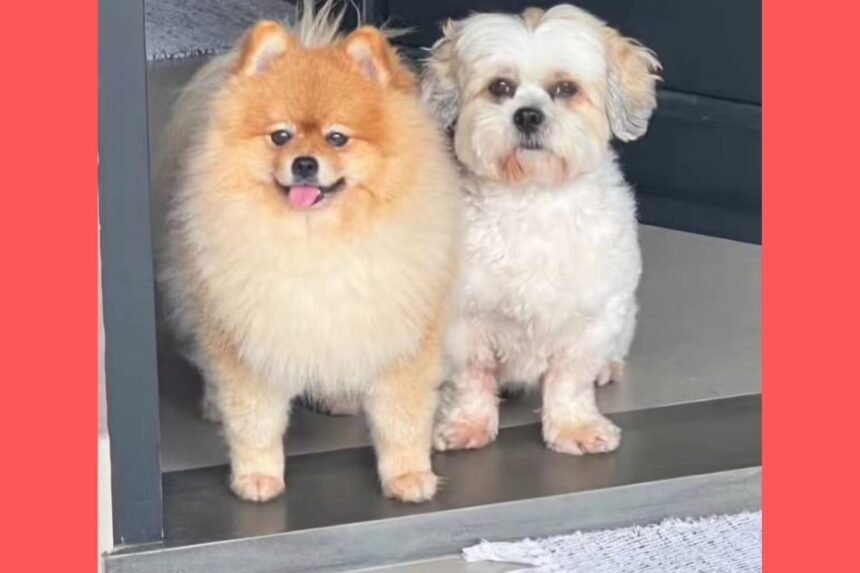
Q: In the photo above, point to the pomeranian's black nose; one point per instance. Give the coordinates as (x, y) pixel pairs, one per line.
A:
(305, 167)
(528, 119)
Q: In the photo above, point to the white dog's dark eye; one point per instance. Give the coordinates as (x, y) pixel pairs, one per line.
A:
(502, 88)
(280, 137)
(563, 90)
(336, 139)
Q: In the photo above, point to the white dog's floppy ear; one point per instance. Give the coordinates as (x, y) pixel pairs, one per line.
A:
(439, 81)
(631, 96)
(263, 44)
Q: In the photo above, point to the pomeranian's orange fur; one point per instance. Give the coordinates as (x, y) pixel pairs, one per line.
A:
(349, 299)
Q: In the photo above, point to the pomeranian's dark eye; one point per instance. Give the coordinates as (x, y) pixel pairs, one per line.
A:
(336, 139)
(563, 90)
(502, 88)
(280, 137)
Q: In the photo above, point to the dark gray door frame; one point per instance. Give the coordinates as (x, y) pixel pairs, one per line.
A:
(373, 11)
(127, 274)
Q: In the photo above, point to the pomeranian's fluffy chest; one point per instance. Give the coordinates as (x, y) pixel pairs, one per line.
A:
(321, 316)
(543, 262)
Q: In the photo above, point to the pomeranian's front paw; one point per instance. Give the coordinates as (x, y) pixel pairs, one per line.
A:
(414, 487)
(257, 487)
(588, 436)
(612, 372)
(464, 433)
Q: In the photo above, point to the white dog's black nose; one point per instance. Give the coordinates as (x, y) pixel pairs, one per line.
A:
(528, 119)
(305, 167)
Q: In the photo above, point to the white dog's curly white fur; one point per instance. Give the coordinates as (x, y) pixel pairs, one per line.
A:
(552, 256)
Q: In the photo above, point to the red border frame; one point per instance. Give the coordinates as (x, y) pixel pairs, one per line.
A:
(49, 303)
(47, 233)
(811, 327)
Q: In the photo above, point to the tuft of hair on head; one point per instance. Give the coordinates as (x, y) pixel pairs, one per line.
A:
(268, 41)
(368, 47)
(317, 27)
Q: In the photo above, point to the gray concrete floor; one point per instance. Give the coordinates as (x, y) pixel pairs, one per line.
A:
(699, 334)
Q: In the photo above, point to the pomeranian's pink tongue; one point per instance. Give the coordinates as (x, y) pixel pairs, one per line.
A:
(303, 196)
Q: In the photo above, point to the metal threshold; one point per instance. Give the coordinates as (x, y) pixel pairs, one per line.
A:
(684, 460)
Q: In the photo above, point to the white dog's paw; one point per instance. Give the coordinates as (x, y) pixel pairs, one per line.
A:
(588, 436)
(257, 487)
(613, 371)
(464, 433)
(414, 487)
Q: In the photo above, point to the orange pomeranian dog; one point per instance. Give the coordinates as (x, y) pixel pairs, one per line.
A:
(312, 245)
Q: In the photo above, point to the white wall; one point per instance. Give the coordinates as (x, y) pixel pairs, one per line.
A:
(105, 539)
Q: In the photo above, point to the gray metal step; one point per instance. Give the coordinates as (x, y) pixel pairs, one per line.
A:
(686, 460)
(449, 564)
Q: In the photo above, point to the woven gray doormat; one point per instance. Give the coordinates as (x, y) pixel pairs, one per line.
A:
(719, 544)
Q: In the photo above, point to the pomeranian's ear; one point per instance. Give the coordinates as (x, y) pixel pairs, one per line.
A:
(265, 43)
(631, 97)
(377, 59)
(439, 87)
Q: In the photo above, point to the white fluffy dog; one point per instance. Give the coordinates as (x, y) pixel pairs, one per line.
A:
(552, 256)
